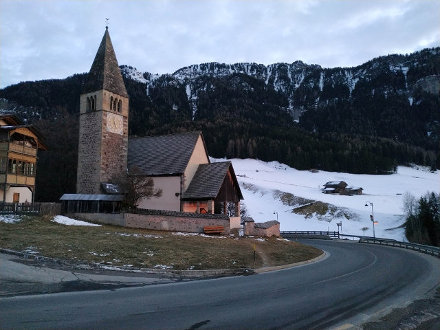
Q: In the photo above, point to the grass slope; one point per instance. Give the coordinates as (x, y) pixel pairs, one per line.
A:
(137, 248)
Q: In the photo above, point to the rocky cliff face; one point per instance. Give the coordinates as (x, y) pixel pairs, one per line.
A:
(310, 86)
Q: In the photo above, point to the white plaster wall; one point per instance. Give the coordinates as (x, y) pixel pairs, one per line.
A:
(170, 185)
(25, 194)
(198, 157)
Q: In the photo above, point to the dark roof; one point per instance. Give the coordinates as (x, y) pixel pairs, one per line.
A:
(336, 184)
(208, 180)
(91, 197)
(161, 155)
(14, 122)
(11, 119)
(105, 72)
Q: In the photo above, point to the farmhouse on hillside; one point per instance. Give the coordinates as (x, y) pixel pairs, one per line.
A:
(19, 144)
(178, 164)
(341, 188)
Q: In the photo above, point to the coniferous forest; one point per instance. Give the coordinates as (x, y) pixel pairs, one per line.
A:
(367, 119)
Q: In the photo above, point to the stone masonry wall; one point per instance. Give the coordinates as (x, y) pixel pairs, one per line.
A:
(89, 155)
(266, 229)
(174, 223)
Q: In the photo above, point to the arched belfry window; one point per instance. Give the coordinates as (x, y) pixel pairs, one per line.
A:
(111, 102)
(119, 105)
(91, 103)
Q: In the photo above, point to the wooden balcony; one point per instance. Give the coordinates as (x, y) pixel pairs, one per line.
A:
(21, 149)
(17, 179)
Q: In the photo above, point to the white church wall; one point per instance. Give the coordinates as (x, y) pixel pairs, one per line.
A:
(170, 199)
(198, 157)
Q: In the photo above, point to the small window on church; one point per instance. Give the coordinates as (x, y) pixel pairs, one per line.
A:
(89, 105)
(94, 103)
(119, 105)
(111, 102)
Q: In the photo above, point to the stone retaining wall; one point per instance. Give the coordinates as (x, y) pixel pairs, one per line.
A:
(174, 223)
(159, 220)
(265, 229)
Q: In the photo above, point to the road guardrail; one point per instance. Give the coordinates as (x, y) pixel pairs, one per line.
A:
(310, 234)
(427, 249)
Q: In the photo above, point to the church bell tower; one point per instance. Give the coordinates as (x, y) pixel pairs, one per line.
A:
(103, 123)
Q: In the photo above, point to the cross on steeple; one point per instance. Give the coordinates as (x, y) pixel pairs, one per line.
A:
(106, 23)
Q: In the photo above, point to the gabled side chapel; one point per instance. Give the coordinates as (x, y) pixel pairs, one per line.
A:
(178, 164)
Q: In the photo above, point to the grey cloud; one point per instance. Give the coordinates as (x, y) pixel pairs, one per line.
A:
(43, 39)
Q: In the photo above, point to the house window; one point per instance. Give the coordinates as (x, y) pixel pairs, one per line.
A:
(20, 168)
(3, 165)
(31, 169)
(12, 166)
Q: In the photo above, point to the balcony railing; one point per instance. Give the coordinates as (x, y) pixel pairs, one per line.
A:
(18, 179)
(22, 149)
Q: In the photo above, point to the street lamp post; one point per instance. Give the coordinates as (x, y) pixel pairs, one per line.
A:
(276, 214)
(372, 216)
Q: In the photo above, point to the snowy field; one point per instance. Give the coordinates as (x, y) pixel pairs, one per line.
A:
(262, 183)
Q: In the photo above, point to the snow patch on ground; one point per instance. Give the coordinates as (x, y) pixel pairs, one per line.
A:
(72, 222)
(197, 234)
(10, 218)
(139, 235)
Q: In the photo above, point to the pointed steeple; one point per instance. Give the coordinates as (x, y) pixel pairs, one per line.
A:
(105, 72)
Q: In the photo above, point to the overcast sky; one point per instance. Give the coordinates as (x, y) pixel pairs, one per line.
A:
(45, 39)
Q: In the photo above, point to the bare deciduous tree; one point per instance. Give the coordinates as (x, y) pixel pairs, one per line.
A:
(135, 187)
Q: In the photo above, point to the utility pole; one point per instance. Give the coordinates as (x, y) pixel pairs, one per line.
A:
(372, 217)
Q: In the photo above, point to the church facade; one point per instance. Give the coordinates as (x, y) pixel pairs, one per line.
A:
(178, 163)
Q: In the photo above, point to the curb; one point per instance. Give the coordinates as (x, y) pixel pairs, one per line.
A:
(324, 255)
(172, 274)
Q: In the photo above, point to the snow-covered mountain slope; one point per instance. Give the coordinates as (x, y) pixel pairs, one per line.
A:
(309, 86)
(274, 187)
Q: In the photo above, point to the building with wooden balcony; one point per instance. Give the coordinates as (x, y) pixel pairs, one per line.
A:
(19, 145)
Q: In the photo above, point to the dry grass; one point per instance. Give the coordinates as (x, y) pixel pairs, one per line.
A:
(119, 246)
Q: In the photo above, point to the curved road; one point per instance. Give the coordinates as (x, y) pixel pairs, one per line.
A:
(354, 281)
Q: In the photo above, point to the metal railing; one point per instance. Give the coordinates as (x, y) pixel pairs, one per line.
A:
(427, 249)
(310, 234)
(19, 208)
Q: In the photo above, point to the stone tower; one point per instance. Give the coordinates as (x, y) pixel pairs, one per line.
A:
(103, 123)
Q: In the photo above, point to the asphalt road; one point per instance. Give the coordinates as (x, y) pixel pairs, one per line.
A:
(352, 283)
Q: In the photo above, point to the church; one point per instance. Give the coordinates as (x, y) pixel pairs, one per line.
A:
(178, 164)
